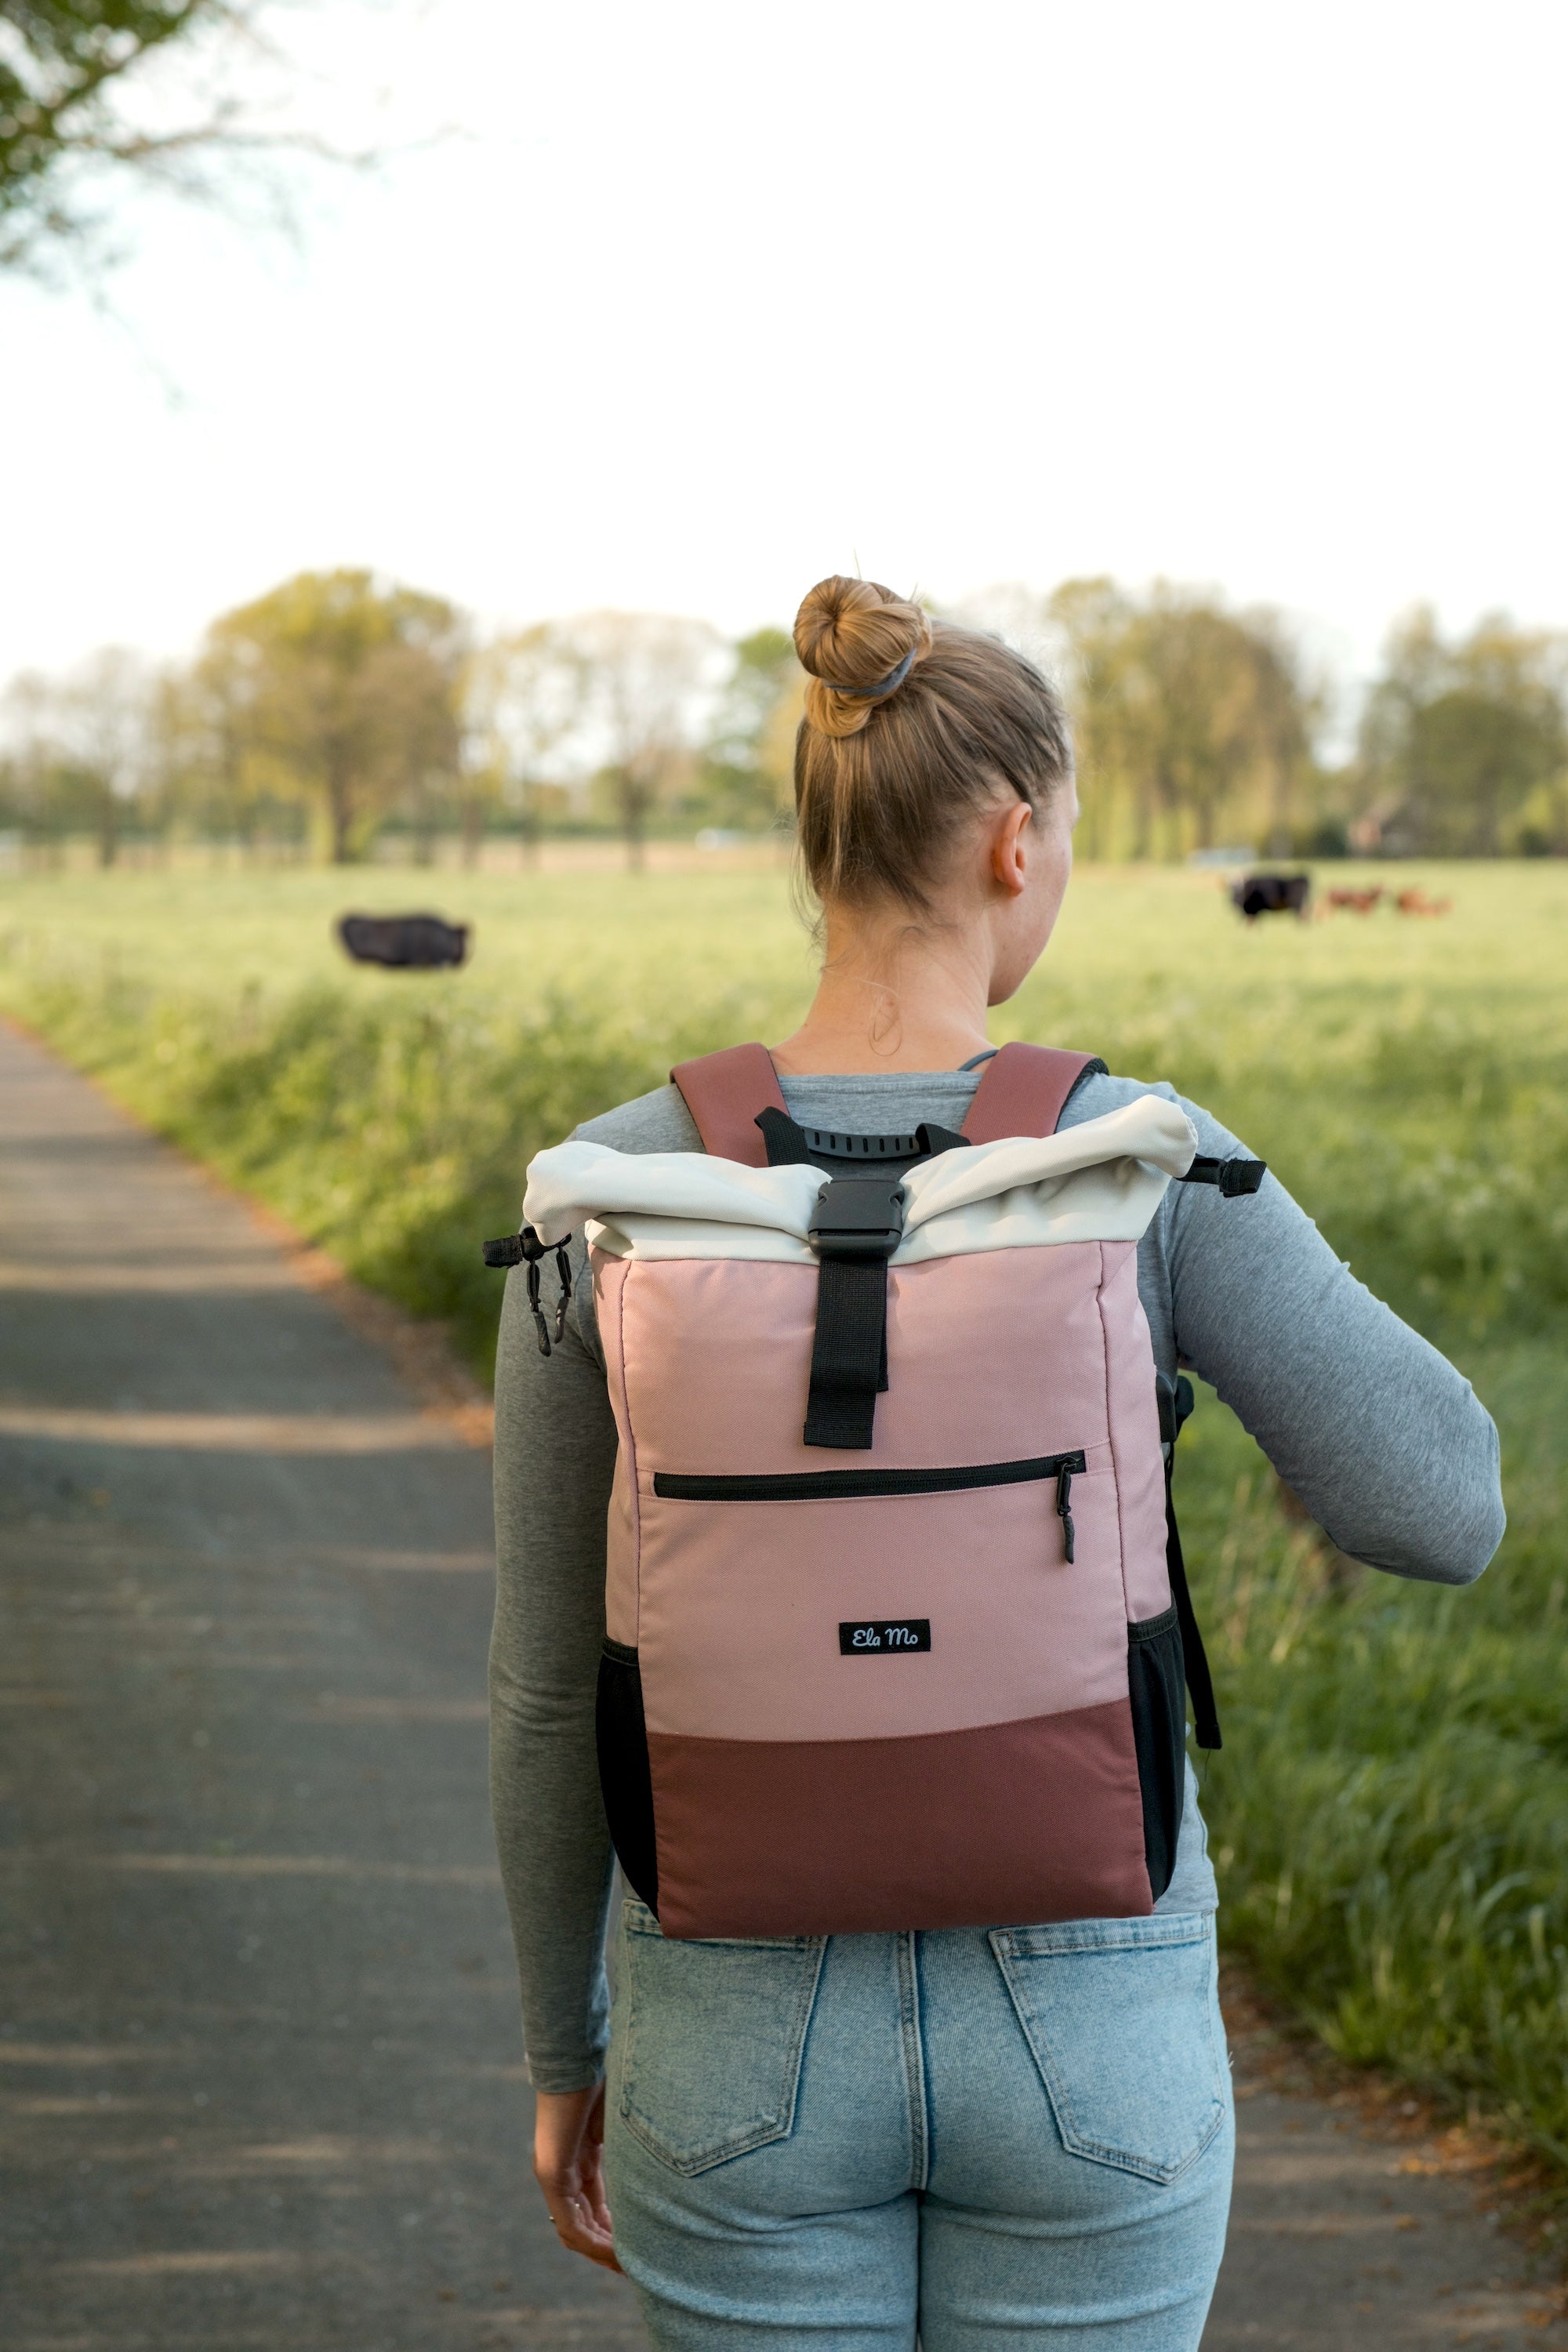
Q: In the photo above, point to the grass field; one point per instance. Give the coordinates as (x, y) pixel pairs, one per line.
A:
(1390, 1812)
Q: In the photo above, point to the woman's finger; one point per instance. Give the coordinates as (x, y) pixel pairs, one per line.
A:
(582, 2229)
(568, 2164)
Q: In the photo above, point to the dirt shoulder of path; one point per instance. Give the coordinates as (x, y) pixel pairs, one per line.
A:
(1521, 2194)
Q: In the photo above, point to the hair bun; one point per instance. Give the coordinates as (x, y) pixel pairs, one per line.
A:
(851, 634)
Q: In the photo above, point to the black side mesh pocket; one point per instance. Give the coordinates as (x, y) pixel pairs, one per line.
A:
(624, 1777)
(1157, 1686)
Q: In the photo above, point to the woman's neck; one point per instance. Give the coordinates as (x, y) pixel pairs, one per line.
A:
(891, 998)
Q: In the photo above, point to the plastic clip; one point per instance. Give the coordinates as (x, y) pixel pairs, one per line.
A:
(857, 1216)
(525, 1248)
(1232, 1179)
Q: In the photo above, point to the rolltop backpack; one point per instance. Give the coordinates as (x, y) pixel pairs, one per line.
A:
(897, 1626)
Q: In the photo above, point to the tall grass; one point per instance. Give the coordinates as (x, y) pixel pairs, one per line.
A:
(1390, 1811)
(1389, 1814)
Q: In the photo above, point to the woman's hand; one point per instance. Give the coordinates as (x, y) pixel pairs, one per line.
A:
(569, 2166)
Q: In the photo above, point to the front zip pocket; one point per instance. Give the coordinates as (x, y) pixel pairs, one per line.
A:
(844, 1485)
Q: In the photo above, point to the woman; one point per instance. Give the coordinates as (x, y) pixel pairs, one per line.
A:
(932, 2155)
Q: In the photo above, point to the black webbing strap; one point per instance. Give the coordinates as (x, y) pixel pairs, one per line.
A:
(849, 1354)
(854, 1231)
(1173, 1411)
(1194, 1657)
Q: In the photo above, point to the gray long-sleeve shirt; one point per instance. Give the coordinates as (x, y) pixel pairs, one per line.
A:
(1386, 1446)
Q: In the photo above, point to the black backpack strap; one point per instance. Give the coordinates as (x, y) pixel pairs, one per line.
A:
(855, 1229)
(1173, 1411)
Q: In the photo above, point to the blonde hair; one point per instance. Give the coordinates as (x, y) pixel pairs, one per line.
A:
(888, 765)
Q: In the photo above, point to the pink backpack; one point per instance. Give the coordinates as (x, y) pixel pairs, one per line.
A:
(895, 1607)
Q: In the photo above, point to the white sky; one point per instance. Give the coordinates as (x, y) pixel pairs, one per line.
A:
(710, 300)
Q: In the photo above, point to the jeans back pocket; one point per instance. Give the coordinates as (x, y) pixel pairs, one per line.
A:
(711, 2036)
(1122, 2020)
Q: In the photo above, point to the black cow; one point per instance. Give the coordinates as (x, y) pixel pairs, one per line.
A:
(1271, 894)
(403, 942)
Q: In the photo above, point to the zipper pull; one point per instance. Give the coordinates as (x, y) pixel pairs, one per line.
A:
(1064, 1510)
(525, 1248)
(539, 1324)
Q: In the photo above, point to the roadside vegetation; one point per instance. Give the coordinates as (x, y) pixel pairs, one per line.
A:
(1390, 1810)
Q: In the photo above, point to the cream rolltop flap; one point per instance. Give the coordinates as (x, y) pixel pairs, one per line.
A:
(1102, 1182)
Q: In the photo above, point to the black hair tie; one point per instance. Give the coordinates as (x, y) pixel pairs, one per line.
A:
(888, 684)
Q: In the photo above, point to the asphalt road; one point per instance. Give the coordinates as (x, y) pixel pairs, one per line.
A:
(260, 2076)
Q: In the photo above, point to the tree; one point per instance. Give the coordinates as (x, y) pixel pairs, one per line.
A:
(1191, 720)
(343, 691)
(646, 687)
(107, 715)
(216, 776)
(1457, 739)
(82, 747)
(81, 112)
(1092, 620)
(1224, 716)
(749, 758)
(31, 755)
(522, 697)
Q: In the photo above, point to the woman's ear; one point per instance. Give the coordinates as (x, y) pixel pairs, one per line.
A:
(1010, 847)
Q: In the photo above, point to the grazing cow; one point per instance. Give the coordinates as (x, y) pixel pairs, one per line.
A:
(403, 942)
(1271, 894)
(1416, 902)
(1357, 902)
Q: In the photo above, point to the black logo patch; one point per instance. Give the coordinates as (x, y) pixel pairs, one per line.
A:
(883, 1637)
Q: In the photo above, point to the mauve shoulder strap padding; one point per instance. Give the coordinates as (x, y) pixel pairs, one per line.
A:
(724, 1092)
(1022, 1090)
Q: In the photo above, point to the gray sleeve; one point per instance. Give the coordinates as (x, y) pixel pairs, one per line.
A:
(1387, 1446)
(554, 1460)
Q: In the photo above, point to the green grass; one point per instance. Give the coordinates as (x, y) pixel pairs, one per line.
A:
(1390, 1812)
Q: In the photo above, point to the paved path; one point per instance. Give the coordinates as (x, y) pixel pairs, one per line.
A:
(258, 2043)
(259, 2071)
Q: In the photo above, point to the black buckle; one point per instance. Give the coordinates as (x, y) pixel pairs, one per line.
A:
(1230, 1178)
(517, 1249)
(857, 1216)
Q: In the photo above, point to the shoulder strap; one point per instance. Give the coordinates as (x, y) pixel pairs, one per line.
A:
(724, 1092)
(1022, 1090)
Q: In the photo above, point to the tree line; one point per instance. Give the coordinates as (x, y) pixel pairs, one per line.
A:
(341, 707)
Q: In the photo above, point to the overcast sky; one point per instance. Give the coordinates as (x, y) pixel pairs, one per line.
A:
(707, 301)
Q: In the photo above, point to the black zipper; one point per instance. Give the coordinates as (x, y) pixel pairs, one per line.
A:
(834, 1485)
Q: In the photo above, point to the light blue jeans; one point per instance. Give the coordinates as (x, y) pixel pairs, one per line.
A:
(993, 2139)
